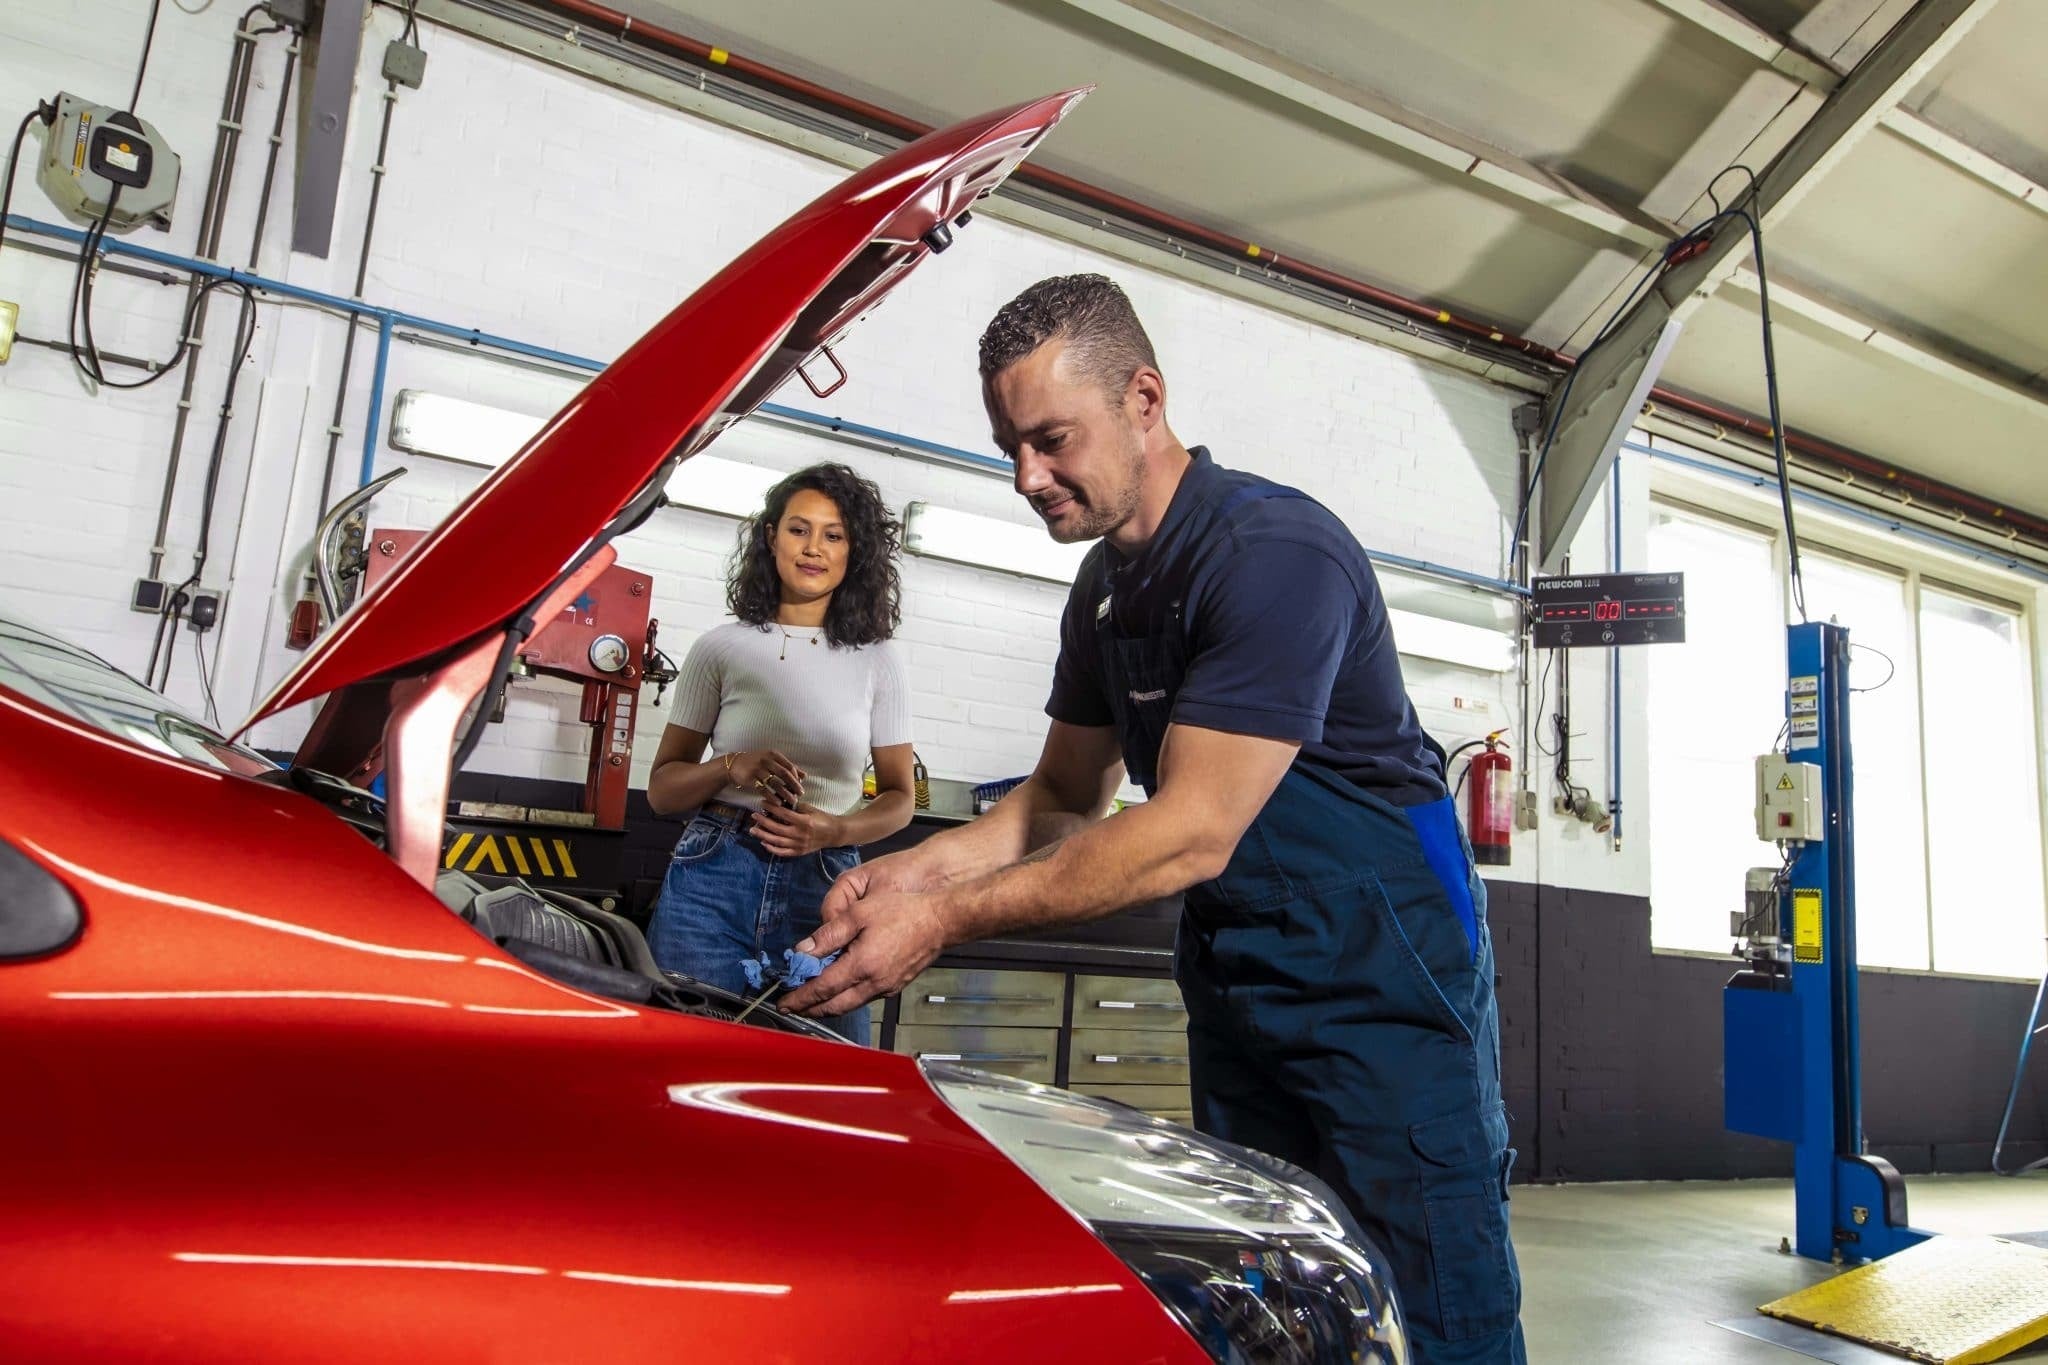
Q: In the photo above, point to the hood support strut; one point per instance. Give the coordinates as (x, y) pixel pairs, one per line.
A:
(420, 735)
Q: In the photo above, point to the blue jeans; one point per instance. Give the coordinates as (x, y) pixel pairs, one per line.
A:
(727, 899)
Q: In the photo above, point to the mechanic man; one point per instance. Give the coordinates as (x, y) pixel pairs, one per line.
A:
(1226, 645)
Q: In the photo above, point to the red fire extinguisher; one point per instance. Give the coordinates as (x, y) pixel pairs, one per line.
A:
(1490, 812)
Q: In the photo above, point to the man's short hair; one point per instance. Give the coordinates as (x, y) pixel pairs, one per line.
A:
(1104, 338)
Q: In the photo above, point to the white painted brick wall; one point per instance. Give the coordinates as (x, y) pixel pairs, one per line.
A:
(527, 201)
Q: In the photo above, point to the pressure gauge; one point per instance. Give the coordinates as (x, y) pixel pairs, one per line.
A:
(609, 654)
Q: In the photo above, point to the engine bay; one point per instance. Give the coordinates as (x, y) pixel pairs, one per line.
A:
(594, 950)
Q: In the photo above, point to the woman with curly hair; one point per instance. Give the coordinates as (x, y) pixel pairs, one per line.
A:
(793, 698)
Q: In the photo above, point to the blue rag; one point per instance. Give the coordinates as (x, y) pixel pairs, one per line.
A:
(801, 967)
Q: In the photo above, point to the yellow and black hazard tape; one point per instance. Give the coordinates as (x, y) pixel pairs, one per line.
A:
(506, 854)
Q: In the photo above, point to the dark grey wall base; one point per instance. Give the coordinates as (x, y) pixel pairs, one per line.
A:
(1612, 1054)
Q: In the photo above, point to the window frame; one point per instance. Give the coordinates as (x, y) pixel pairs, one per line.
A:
(1920, 566)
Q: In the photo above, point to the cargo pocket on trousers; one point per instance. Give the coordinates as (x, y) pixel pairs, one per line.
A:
(1463, 1167)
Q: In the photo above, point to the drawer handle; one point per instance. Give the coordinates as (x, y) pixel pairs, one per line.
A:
(983, 1057)
(988, 1000)
(1119, 1059)
(1174, 1005)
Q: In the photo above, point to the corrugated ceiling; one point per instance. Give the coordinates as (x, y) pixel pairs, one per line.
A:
(1271, 123)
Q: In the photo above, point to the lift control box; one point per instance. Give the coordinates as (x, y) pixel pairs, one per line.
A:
(90, 150)
(1789, 805)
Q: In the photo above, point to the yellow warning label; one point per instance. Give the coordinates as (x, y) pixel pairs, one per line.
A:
(1785, 782)
(489, 854)
(1806, 946)
(719, 56)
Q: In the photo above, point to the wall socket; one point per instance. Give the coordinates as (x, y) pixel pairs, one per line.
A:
(1526, 813)
(203, 614)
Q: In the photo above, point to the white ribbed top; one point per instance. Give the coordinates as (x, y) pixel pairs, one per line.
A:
(824, 706)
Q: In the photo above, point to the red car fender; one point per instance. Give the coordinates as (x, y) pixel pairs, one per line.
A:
(276, 1101)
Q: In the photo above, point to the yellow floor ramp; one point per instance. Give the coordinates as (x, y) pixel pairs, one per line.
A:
(1949, 1301)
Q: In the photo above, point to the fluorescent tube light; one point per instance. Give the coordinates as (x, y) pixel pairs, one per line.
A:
(1452, 642)
(455, 429)
(473, 433)
(985, 542)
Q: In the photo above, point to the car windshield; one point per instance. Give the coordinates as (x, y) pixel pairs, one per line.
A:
(88, 688)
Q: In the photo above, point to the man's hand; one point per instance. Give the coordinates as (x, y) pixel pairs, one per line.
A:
(791, 832)
(903, 871)
(888, 937)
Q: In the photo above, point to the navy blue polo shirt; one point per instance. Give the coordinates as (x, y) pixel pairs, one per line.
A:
(1280, 626)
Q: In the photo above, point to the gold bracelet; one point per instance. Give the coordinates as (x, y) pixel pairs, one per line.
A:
(728, 766)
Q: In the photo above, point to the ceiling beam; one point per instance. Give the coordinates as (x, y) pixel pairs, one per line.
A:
(1965, 157)
(1858, 105)
(1579, 454)
(1920, 352)
(1759, 42)
(1736, 29)
(1223, 51)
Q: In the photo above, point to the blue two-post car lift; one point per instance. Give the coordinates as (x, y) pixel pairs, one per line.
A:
(1792, 1069)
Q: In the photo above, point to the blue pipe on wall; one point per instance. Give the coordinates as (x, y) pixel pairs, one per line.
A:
(389, 318)
(18, 223)
(1852, 511)
(375, 418)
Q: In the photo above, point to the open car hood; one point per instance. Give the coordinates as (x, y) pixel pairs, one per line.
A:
(711, 361)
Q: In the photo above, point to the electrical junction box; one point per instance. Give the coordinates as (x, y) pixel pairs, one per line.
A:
(1789, 805)
(405, 64)
(90, 150)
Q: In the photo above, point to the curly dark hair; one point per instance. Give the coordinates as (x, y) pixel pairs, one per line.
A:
(1089, 312)
(867, 606)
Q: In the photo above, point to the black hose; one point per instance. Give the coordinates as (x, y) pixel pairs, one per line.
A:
(13, 157)
(1763, 296)
(148, 41)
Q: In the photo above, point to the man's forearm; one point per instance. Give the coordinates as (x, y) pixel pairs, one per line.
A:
(1027, 818)
(1138, 855)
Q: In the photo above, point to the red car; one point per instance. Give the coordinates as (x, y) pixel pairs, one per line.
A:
(277, 1087)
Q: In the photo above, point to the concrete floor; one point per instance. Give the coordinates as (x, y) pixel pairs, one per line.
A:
(1641, 1272)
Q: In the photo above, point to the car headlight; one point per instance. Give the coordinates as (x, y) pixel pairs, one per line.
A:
(1257, 1259)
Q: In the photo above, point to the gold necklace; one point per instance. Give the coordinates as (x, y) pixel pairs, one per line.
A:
(787, 637)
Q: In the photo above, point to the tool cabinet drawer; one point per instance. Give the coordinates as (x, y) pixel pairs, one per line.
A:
(1128, 1002)
(1169, 1102)
(1028, 1053)
(1127, 1056)
(948, 995)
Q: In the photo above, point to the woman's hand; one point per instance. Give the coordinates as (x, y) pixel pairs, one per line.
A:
(791, 832)
(769, 774)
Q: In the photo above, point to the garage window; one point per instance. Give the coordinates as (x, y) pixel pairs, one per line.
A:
(1949, 871)
(1707, 724)
(1983, 818)
(1884, 740)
